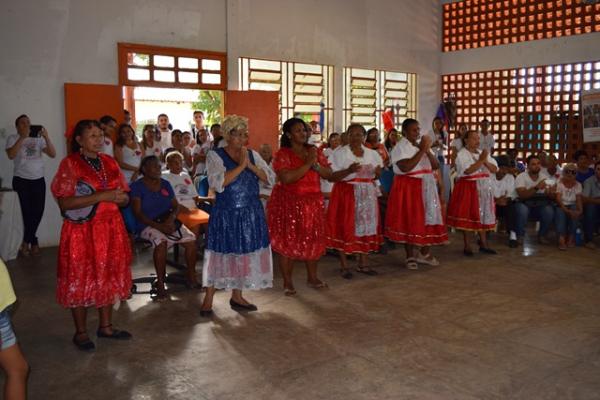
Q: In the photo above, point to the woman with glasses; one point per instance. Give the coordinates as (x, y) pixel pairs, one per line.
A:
(238, 249)
(569, 206)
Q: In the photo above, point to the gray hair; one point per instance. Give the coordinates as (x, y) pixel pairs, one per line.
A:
(233, 123)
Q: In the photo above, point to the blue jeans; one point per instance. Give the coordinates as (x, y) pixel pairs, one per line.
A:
(565, 224)
(591, 220)
(545, 214)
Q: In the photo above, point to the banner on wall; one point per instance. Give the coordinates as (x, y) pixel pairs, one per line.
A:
(590, 106)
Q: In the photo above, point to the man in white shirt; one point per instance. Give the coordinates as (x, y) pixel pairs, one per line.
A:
(552, 169)
(164, 131)
(487, 138)
(534, 194)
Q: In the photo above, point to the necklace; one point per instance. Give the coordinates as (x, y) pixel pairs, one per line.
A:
(98, 167)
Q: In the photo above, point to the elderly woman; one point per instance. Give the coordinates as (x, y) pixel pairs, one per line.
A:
(155, 206)
(569, 206)
(472, 207)
(353, 223)
(238, 250)
(94, 254)
(295, 210)
(414, 213)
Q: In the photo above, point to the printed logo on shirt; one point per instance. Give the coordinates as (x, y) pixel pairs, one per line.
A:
(182, 189)
(30, 150)
(164, 192)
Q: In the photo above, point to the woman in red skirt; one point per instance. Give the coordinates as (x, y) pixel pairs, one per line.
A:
(414, 213)
(94, 252)
(472, 207)
(353, 224)
(295, 212)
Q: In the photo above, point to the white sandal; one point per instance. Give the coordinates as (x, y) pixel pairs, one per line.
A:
(411, 263)
(427, 260)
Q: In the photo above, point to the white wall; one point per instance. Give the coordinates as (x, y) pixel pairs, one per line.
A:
(525, 54)
(45, 43)
(396, 35)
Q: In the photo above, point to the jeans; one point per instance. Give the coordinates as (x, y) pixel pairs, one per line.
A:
(545, 214)
(506, 214)
(565, 224)
(32, 198)
(591, 220)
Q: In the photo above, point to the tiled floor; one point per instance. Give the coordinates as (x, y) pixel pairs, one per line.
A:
(524, 324)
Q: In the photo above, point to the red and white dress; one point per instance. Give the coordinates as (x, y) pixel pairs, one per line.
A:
(414, 211)
(472, 206)
(94, 257)
(295, 211)
(353, 219)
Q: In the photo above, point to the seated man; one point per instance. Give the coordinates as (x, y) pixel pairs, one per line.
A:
(534, 196)
(584, 171)
(552, 168)
(504, 194)
(591, 207)
(185, 193)
(154, 206)
(515, 166)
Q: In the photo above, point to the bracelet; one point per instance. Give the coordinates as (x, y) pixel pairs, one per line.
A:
(315, 167)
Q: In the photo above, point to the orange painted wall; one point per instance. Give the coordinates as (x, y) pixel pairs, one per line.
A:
(262, 110)
(92, 101)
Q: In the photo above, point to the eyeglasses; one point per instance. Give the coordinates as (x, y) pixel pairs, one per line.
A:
(570, 171)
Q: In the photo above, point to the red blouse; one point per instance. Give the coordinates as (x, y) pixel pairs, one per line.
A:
(286, 159)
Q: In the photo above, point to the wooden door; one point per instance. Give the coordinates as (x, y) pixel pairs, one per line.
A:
(92, 101)
(262, 110)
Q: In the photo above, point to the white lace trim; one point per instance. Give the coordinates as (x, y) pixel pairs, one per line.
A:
(250, 271)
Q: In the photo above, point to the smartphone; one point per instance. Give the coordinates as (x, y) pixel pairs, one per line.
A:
(35, 131)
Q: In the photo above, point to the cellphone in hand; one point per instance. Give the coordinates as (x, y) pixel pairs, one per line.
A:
(35, 131)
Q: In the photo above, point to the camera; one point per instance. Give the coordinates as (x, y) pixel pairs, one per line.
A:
(35, 131)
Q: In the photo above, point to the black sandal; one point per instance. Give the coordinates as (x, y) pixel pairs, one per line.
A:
(116, 334)
(83, 345)
(366, 271)
(346, 274)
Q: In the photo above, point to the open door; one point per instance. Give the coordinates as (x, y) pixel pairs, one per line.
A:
(92, 101)
(262, 110)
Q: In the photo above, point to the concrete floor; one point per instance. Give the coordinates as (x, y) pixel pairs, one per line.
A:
(521, 325)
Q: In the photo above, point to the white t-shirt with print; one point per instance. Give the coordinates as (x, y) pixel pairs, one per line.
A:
(183, 186)
(28, 163)
(568, 196)
(523, 180)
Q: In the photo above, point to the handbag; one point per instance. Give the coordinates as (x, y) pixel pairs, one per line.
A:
(176, 235)
(84, 214)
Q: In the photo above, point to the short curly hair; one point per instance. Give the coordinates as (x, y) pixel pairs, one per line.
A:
(233, 123)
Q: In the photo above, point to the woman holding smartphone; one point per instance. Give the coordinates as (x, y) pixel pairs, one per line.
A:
(26, 148)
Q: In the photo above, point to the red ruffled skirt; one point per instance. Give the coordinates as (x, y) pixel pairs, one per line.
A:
(94, 261)
(464, 207)
(341, 223)
(296, 224)
(405, 215)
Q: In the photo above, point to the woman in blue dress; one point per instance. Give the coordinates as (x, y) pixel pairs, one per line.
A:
(238, 249)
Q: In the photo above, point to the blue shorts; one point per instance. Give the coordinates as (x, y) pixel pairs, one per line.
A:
(7, 335)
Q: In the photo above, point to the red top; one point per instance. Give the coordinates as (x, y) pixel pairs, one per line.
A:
(286, 159)
(74, 168)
